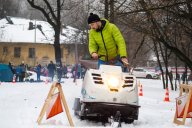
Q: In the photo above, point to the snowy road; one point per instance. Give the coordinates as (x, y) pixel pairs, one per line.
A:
(21, 103)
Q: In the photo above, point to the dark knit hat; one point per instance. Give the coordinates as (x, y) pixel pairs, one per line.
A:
(93, 18)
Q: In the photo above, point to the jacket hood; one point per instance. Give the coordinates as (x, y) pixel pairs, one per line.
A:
(107, 23)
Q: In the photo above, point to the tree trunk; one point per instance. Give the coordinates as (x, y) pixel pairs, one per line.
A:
(159, 62)
(163, 78)
(54, 19)
(106, 13)
(112, 12)
(57, 46)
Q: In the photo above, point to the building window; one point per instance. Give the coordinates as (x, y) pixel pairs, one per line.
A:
(17, 52)
(31, 52)
(5, 50)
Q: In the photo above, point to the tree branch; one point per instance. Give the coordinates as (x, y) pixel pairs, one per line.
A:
(31, 2)
(151, 9)
(50, 9)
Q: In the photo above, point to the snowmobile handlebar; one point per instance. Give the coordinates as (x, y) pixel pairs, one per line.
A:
(123, 62)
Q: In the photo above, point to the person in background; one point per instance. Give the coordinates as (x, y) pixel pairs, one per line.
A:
(38, 68)
(59, 71)
(177, 77)
(73, 71)
(51, 69)
(184, 77)
(79, 71)
(65, 71)
(11, 67)
(190, 78)
(106, 42)
(83, 70)
(46, 72)
(23, 71)
(170, 75)
(18, 71)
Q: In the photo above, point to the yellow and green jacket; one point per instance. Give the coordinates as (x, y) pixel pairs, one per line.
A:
(108, 42)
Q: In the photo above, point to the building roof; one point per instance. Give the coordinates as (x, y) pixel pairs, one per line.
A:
(44, 33)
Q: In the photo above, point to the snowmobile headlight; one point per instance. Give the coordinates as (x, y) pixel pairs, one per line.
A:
(113, 82)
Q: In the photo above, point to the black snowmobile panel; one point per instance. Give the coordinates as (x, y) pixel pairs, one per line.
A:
(104, 109)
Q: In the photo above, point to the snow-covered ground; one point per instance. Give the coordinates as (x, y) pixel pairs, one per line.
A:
(21, 103)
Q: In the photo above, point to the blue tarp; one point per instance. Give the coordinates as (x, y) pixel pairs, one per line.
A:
(6, 74)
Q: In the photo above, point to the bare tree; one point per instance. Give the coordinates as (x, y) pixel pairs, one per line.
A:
(170, 22)
(9, 8)
(165, 23)
(52, 12)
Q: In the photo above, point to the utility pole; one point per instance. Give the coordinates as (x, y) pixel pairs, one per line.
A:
(33, 52)
(35, 33)
(76, 58)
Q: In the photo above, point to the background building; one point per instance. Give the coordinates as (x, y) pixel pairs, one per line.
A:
(32, 42)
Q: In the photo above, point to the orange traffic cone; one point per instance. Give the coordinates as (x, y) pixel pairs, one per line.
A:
(167, 95)
(141, 91)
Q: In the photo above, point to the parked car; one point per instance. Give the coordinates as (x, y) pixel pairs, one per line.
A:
(144, 73)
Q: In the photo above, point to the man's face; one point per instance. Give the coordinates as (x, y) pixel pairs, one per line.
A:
(94, 25)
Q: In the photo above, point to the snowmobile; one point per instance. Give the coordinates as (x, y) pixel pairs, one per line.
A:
(107, 95)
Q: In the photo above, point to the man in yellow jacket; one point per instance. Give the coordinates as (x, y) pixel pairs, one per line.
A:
(106, 42)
